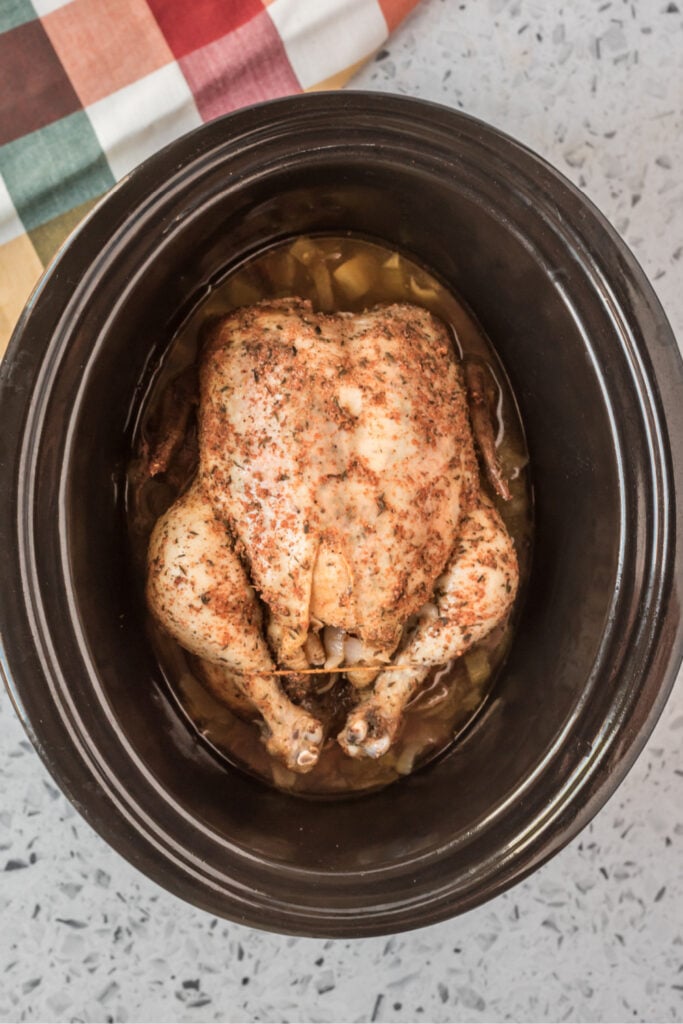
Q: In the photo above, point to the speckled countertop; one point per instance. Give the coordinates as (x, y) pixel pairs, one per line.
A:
(597, 934)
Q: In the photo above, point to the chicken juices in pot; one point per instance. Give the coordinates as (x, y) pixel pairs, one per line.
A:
(329, 546)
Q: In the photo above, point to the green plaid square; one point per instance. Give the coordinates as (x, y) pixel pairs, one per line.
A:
(15, 12)
(53, 169)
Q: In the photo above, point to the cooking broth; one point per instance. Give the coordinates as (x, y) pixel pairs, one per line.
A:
(335, 273)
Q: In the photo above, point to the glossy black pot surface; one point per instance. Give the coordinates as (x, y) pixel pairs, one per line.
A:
(599, 381)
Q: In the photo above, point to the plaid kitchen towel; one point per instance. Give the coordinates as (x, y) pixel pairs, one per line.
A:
(89, 88)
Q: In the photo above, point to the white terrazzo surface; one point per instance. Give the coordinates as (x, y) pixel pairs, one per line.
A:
(597, 934)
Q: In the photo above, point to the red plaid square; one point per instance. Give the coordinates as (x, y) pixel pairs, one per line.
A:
(189, 25)
(246, 66)
(106, 46)
(395, 11)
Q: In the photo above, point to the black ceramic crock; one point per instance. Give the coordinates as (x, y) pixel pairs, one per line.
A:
(599, 381)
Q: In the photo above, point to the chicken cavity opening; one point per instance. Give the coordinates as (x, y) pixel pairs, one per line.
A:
(331, 647)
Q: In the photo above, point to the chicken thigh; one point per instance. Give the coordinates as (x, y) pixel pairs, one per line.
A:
(200, 592)
(337, 481)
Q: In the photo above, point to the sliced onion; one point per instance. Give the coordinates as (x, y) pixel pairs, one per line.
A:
(355, 275)
(305, 250)
(323, 283)
(393, 262)
(354, 650)
(325, 687)
(433, 697)
(406, 759)
(315, 652)
(425, 294)
(477, 665)
(333, 641)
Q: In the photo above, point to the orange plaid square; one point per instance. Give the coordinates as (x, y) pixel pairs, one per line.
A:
(106, 46)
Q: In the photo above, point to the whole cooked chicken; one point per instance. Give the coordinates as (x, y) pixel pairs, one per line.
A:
(335, 522)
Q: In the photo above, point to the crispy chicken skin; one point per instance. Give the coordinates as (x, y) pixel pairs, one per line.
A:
(338, 481)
